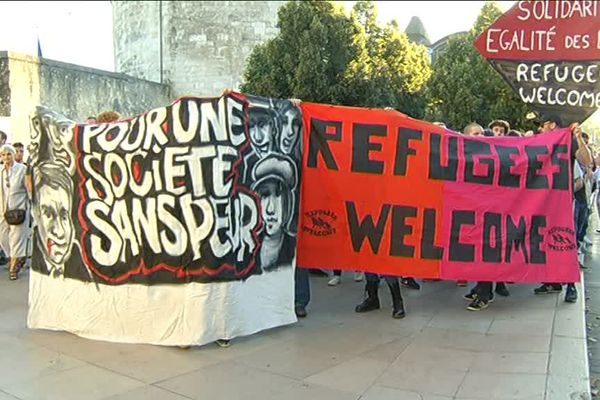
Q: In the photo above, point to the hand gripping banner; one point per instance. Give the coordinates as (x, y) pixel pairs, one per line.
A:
(385, 193)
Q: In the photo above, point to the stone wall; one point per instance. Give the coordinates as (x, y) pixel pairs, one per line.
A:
(204, 44)
(137, 53)
(4, 86)
(72, 90)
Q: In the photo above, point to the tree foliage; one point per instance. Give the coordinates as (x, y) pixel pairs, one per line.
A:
(308, 58)
(322, 55)
(464, 88)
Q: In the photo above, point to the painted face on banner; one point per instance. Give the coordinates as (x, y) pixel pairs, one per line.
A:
(271, 201)
(54, 224)
(262, 130)
(290, 130)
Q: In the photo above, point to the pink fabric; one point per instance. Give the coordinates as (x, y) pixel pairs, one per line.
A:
(558, 244)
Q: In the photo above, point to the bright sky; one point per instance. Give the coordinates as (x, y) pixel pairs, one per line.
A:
(440, 18)
(77, 32)
(80, 32)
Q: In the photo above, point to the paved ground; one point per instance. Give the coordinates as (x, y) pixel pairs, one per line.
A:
(592, 288)
(522, 347)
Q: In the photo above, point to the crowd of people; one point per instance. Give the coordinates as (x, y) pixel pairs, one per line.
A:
(16, 222)
(586, 179)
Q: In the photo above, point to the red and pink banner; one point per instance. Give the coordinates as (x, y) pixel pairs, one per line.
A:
(389, 194)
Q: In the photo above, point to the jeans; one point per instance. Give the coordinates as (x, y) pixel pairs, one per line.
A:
(302, 287)
(581, 217)
(483, 290)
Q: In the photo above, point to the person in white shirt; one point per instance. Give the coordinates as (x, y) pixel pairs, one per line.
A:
(13, 196)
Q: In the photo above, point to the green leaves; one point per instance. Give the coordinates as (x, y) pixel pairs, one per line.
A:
(309, 56)
(322, 55)
(464, 88)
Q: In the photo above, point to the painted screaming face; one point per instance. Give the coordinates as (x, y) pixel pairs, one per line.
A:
(290, 131)
(262, 130)
(55, 226)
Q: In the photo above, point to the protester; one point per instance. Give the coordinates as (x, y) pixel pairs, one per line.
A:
(597, 191)
(371, 301)
(481, 295)
(20, 151)
(13, 198)
(473, 129)
(579, 152)
(302, 280)
(499, 127)
(3, 256)
(589, 184)
(107, 117)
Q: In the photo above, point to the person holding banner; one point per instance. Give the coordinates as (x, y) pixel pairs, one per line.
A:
(371, 302)
(579, 153)
(482, 294)
(499, 127)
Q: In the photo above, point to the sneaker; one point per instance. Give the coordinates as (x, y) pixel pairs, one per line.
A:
(571, 295)
(336, 280)
(410, 283)
(477, 305)
(300, 311)
(359, 276)
(470, 296)
(547, 289)
(461, 283)
(224, 343)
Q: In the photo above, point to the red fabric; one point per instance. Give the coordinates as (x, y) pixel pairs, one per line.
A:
(331, 198)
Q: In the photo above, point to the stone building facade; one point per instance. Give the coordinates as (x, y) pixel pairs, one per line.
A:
(75, 91)
(197, 48)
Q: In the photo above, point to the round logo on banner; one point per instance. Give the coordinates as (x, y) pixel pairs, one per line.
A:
(561, 239)
(319, 222)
